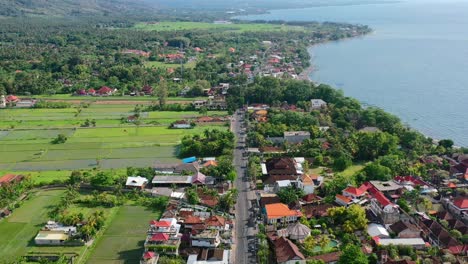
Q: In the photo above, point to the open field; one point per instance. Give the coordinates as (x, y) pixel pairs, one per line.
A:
(123, 241)
(27, 134)
(248, 27)
(127, 99)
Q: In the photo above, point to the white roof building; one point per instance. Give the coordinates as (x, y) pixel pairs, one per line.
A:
(136, 181)
(376, 230)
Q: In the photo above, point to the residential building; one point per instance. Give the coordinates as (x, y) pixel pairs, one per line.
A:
(162, 242)
(169, 180)
(417, 243)
(176, 168)
(295, 137)
(403, 229)
(343, 200)
(53, 238)
(353, 192)
(136, 182)
(459, 206)
(387, 211)
(286, 252)
(165, 225)
(149, 257)
(317, 104)
(328, 258)
(280, 213)
(210, 256)
(217, 222)
(208, 238)
(10, 179)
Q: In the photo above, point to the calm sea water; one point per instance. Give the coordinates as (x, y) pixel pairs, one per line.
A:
(414, 64)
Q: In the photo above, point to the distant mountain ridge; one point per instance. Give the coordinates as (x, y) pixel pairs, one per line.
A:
(69, 7)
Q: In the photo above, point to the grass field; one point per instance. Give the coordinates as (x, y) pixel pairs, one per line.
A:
(123, 241)
(120, 99)
(250, 27)
(27, 133)
(17, 232)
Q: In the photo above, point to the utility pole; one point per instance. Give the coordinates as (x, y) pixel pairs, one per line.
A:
(181, 61)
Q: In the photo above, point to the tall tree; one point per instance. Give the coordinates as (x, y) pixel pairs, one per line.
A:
(353, 254)
(162, 92)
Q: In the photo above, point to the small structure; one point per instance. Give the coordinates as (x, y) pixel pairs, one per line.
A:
(376, 230)
(317, 104)
(132, 119)
(404, 230)
(136, 182)
(2, 101)
(181, 124)
(105, 91)
(369, 130)
(298, 231)
(189, 160)
(47, 237)
(149, 257)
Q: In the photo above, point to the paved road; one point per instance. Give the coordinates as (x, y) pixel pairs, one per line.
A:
(245, 230)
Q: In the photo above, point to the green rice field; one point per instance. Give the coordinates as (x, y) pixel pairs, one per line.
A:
(247, 27)
(26, 135)
(123, 240)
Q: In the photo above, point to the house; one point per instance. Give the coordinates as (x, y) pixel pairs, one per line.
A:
(328, 258)
(165, 225)
(317, 104)
(149, 257)
(459, 205)
(417, 243)
(132, 119)
(217, 222)
(176, 168)
(353, 192)
(91, 92)
(380, 205)
(208, 238)
(210, 163)
(295, 137)
(298, 231)
(389, 188)
(436, 234)
(210, 256)
(136, 182)
(280, 213)
(52, 238)
(268, 198)
(311, 199)
(376, 230)
(147, 90)
(404, 229)
(316, 210)
(105, 91)
(182, 124)
(169, 180)
(286, 252)
(343, 200)
(163, 241)
(199, 179)
(281, 167)
(197, 49)
(10, 179)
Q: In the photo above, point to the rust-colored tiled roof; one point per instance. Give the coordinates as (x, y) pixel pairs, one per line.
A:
(285, 250)
(279, 210)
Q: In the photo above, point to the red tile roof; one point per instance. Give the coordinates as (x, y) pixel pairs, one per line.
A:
(354, 191)
(343, 198)
(160, 237)
(149, 255)
(9, 178)
(216, 220)
(162, 224)
(381, 198)
(461, 203)
(191, 219)
(329, 257)
(210, 163)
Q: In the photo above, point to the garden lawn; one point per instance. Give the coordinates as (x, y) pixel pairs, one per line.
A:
(123, 241)
(17, 232)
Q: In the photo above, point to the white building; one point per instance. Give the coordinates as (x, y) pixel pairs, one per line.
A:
(316, 104)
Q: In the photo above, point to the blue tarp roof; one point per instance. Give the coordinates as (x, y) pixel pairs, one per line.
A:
(189, 160)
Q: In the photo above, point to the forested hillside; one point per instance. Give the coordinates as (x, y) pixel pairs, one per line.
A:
(69, 7)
